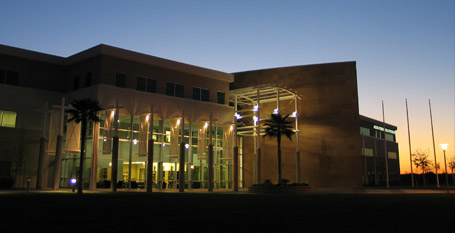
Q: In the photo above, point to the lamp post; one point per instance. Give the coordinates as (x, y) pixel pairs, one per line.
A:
(444, 148)
(73, 183)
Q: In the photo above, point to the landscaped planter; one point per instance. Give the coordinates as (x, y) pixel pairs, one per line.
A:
(279, 189)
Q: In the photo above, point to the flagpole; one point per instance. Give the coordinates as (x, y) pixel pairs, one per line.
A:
(385, 149)
(409, 139)
(434, 148)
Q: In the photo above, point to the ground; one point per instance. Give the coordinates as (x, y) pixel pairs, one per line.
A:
(225, 212)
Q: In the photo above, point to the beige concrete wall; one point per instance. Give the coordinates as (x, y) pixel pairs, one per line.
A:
(328, 121)
(132, 69)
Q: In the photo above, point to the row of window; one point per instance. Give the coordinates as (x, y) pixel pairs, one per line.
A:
(9, 77)
(172, 89)
(378, 134)
(370, 152)
(7, 119)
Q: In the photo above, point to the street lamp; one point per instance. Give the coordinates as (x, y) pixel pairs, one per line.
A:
(444, 148)
(73, 183)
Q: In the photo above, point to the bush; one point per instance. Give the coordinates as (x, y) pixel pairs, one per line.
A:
(6, 182)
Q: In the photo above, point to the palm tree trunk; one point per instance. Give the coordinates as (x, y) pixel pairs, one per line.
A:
(279, 159)
(81, 164)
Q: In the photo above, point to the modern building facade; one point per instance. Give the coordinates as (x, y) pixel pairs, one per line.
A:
(147, 97)
(375, 167)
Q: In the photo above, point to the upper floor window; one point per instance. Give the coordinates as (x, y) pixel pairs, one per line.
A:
(364, 131)
(120, 80)
(9, 77)
(8, 119)
(200, 94)
(76, 83)
(88, 79)
(173, 89)
(146, 84)
(220, 97)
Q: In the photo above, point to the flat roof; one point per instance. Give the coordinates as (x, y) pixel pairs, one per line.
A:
(108, 50)
(379, 123)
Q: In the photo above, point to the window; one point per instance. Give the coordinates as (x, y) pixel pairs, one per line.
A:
(9, 77)
(367, 152)
(220, 97)
(146, 84)
(392, 155)
(76, 83)
(120, 80)
(88, 79)
(173, 89)
(7, 119)
(364, 131)
(200, 94)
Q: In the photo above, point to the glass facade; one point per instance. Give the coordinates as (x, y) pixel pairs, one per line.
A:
(133, 135)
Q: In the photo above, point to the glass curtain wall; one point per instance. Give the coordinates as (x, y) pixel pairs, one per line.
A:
(133, 144)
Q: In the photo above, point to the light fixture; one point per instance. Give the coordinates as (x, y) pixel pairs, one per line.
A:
(112, 113)
(110, 164)
(163, 145)
(135, 141)
(206, 125)
(294, 114)
(255, 108)
(255, 119)
(275, 111)
(231, 128)
(187, 146)
(178, 121)
(444, 146)
(147, 118)
(237, 116)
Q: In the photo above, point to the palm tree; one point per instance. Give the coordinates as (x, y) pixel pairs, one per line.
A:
(83, 111)
(275, 127)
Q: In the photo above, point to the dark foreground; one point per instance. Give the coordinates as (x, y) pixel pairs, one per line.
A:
(220, 212)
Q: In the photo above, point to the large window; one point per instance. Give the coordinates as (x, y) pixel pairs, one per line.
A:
(173, 89)
(220, 97)
(200, 94)
(9, 77)
(120, 80)
(7, 119)
(146, 84)
(364, 131)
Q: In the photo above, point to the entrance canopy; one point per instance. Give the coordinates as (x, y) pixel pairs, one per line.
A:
(247, 103)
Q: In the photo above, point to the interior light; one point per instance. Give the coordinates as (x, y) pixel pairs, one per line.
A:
(178, 121)
(237, 116)
(187, 146)
(231, 128)
(275, 111)
(206, 124)
(255, 119)
(110, 164)
(147, 118)
(135, 141)
(112, 113)
(255, 108)
(294, 114)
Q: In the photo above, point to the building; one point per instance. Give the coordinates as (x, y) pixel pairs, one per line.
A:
(374, 163)
(138, 91)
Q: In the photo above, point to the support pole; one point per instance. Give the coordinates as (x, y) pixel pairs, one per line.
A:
(409, 139)
(59, 148)
(258, 141)
(130, 159)
(42, 149)
(115, 146)
(297, 150)
(150, 155)
(182, 158)
(96, 130)
(434, 147)
(210, 158)
(235, 173)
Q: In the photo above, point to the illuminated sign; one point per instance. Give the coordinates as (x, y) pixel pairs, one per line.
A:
(382, 129)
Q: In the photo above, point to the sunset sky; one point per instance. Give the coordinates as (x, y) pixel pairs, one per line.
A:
(403, 48)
